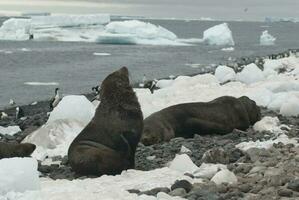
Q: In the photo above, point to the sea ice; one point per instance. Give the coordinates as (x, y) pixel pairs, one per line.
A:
(224, 176)
(250, 74)
(136, 32)
(10, 130)
(183, 163)
(266, 39)
(218, 35)
(224, 74)
(18, 175)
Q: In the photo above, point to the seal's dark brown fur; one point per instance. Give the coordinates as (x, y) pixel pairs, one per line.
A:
(108, 143)
(9, 150)
(219, 116)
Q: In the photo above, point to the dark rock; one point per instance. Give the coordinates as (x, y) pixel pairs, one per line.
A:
(155, 191)
(182, 184)
(135, 191)
(200, 194)
(215, 155)
(294, 185)
(285, 192)
(178, 192)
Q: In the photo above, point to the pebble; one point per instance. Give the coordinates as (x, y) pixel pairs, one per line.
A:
(186, 185)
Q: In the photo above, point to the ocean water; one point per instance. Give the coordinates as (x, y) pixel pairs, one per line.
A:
(76, 69)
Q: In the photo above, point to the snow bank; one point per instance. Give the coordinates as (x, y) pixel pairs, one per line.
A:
(136, 32)
(218, 35)
(18, 175)
(266, 39)
(290, 107)
(66, 121)
(10, 130)
(69, 20)
(224, 74)
(250, 74)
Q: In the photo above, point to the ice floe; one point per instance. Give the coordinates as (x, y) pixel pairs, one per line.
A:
(224, 74)
(266, 39)
(218, 35)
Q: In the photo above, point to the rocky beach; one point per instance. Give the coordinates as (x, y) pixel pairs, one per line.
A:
(251, 173)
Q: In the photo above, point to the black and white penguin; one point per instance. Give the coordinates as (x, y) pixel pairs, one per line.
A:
(55, 100)
(153, 85)
(19, 112)
(96, 91)
(12, 102)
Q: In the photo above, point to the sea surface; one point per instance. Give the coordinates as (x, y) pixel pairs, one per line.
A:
(76, 69)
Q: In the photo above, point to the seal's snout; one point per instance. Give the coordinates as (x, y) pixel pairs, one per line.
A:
(28, 148)
(124, 70)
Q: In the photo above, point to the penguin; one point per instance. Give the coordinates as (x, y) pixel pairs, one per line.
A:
(19, 112)
(153, 86)
(12, 102)
(96, 91)
(55, 100)
(4, 115)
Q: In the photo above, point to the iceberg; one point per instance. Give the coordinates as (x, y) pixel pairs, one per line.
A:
(266, 39)
(219, 35)
(15, 29)
(136, 32)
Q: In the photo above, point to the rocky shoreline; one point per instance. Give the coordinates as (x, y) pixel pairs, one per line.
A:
(262, 173)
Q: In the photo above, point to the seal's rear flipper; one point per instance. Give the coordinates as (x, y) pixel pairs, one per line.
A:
(200, 126)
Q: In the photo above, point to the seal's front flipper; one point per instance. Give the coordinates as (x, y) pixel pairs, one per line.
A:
(199, 126)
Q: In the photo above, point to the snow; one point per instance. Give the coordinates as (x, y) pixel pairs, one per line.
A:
(250, 74)
(290, 107)
(183, 163)
(10, 130)
(184, 149)
(224, 176)
(137, 32)
(65, 122)
(73, 107)
(266, 39)
(271, 124)
(224, 74)
(18, 175)
(218, 35)
(163, 83)
(208, 170)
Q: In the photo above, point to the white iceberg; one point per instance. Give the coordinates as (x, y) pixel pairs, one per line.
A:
(18, 175)
(183, 163)
(218, 35)
(266, 39)
(136, 32)
(15, 29)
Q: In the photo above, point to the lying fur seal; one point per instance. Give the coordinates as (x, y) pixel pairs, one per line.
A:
(219, 116)
(9, 150)
(108, 143)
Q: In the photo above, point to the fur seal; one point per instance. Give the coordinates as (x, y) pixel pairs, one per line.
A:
(9, 150)
(219, 116)
(108, 143)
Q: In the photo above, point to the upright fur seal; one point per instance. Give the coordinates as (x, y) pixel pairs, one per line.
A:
(9, 150)
(219, 116)
(108, 143)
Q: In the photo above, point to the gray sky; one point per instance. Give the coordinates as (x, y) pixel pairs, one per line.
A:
(217, 9)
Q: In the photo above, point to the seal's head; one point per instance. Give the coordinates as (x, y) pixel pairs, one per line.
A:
(252, 109)
(115, 82)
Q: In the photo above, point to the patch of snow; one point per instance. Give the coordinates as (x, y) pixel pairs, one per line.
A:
(268, 123)
(163, 83)
(250, 74)
(283, 138)
(183, 163)
(224, 176)
(208, 170)
(18, 175)
(41, 83)
(224, 74)
(266, 39)
(290, 107)
(184, 149)
(73, 107)
(218, 35)
(10, 130)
